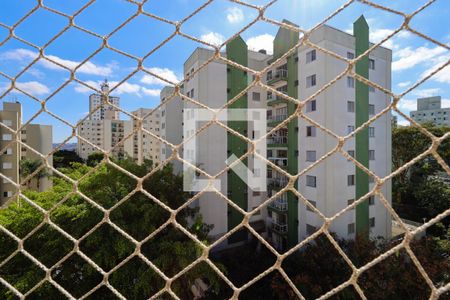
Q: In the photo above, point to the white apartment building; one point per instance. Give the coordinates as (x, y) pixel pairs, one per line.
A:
(209, 86)
(429, 110)
(142, 145)
(330, 186)
(171, 125)
(38, 137)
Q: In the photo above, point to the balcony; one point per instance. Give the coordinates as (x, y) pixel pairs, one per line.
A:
(280, 75)
(279, 204)
(275, 99)
(277, 141)
(281, 162)
(277, 182)
(279, 227)
(273, 121)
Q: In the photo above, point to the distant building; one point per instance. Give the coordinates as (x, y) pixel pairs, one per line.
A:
(394, 122)
(171, 125)
(429, 110)
(38, 137)
(99, 110)
(142, 145)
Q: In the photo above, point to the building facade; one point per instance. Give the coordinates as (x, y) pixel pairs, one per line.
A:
(38, 137)
(429, 110)
(141, 145)
(171, 125)
(331, 185)
(99, 109)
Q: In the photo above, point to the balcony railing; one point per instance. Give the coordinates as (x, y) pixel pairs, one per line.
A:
(278, 181)
(279, 204)
(279, 227)
(277, 118)
(277, 140)
(280, 74)
(281, 162)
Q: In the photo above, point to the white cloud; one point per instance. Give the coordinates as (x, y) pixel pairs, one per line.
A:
(87, 68)
(36, 73)
(408, 57)
(33, 88)
(445, 103)
(377, 35)
(123, 88)
(235, 15)
(403, 122)
(443, 75)
(422, 93)
(213, 38)
(404, 84)
(406, 105)
(163, 72)
(263, 41)
(151, 92)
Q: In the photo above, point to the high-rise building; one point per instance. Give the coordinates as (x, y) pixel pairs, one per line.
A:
(38, 137)
(99, 109)
(429, 110)
(331, 185)
(142, 145)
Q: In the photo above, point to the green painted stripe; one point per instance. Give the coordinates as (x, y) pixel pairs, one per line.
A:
(361, 33)
(236, 82)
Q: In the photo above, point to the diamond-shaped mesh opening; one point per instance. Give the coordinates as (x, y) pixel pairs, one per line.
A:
(201, 281)
(21, 273)
(103, 293)
(106, 247)
(48, 245)
(240, 262)
(76, 276)
(381, 280)
(139, 216)
(136, 280)
(313, 268)
(171, 251)
(46, 291)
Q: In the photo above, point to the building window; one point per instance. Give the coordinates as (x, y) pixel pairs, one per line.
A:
(7, 166)
(350, 55)
(311, 106)
(310, 155)
(311, 181)
(372, 222)
(371, 132)
(310, 56)
(311, 81)
(256, 193)
(256, 96)
(310, 131)
(310, 229)
(313, 203)
(7, 136)
(351, 228)
(350, 180)
(350, 202)
(371, 200)
(371, 89)
(269, 76)
(351, 106)
(9, 151)
(7, 194)
(351, 153)
(371, 154)
(7, 122)
(350, 129)
(371, 109)
(372, 64)
(192, 93)
(350, 82)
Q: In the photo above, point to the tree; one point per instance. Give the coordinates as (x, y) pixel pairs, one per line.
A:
(29, 166)
(170, 250)
(64, 158)
(94, 158)
(411, 188)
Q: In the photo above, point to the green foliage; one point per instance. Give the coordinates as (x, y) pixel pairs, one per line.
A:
(417, 194)
(64, 159)
(94, 159)
(138, 216)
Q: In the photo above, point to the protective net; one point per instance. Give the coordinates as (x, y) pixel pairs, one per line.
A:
(172, 213)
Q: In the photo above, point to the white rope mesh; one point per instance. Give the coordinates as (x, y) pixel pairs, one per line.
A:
(172, 221)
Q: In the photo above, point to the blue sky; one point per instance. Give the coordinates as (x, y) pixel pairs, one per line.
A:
(412, 56)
